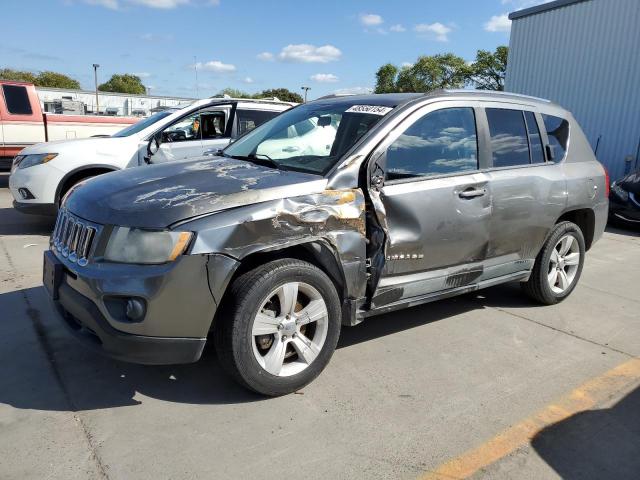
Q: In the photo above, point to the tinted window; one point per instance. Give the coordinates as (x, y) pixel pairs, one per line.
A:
(250, 119)
(441, 142)
(558, 133)
(508, 137)
(212, 124)
(17, 99)
(535, 140)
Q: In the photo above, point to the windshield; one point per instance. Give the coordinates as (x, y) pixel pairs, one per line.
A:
(142, 124)
(310, 138)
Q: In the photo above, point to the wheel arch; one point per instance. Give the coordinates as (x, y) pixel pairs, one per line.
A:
(78, 174)
(316, 252)
(585, 219)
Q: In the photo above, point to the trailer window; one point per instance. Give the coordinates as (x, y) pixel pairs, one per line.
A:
(17, 99)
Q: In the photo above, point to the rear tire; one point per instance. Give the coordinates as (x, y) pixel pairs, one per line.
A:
(279, 327)
(558, 266)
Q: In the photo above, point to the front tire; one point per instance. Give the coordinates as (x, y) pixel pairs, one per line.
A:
(558, 266)
(280, 326)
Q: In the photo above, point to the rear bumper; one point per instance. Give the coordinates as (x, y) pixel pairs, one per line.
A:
(85, 322)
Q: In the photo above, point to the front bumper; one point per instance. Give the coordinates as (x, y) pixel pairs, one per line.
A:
(628, 211)
(85, 322)
(42, 182)
(48, 209)
(178, 315)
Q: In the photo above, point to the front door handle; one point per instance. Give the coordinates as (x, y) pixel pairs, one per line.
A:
(472, 192)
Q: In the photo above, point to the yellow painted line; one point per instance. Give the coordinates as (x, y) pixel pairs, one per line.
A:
(585, 397)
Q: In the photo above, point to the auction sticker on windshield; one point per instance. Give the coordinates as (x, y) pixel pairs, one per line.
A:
(372, 109)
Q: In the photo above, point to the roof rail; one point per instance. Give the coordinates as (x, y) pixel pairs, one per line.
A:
(494, 92)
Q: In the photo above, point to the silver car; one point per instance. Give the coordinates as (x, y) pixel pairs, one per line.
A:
(286, 236)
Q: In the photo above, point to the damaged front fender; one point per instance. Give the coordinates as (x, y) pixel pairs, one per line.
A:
(335, 218)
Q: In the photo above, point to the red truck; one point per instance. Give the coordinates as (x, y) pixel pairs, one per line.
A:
(23, 123)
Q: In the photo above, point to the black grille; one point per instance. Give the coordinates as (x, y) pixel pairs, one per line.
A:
(72, 238)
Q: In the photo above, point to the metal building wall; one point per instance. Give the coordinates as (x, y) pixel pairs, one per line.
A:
(585, 57)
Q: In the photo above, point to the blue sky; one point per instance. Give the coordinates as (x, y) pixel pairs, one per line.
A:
(328, 45)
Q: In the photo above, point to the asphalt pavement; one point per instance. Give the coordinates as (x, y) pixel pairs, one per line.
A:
(487, 385)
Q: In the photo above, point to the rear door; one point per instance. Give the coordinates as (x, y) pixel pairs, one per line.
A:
(436, 203)
(528, 192)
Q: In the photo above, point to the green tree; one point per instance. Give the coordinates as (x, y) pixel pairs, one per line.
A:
(17, 75)
(57, 80)
(283, 94)
(233, 93)
(426, 74)
(125, 83)
(489, 69)
(386, 79)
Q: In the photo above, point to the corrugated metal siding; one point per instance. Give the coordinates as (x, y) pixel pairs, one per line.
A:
(585, 57)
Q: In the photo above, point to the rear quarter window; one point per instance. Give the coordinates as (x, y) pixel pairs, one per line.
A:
(558, 132)
(17, 99)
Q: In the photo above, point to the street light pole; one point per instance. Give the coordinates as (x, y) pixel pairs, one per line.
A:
(95, 77)
(306, 89)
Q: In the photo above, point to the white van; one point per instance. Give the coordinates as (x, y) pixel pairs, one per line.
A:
(41, 174)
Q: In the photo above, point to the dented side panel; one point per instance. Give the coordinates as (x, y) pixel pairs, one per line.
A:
(334, 217)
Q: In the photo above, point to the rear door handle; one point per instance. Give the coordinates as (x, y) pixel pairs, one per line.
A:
(472, 192)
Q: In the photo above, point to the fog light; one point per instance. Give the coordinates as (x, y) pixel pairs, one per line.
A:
(135, 309)
(26, 194)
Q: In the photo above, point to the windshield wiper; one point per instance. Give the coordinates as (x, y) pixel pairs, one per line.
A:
(258, 159)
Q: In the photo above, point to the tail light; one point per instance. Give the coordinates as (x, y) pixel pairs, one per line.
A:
(607, 183)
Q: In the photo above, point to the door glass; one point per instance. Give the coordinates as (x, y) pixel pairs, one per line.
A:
(535, 141)
(250, 119)
(558, 133)
(186, 129)
(508, 137)
(212, 125)
(439, 143)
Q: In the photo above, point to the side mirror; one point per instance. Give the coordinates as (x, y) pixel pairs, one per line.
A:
(152, 148)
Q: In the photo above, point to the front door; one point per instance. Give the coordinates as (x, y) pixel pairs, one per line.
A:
(205, 130)
(436, 205)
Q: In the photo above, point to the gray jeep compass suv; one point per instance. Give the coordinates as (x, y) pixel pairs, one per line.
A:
(336, 210)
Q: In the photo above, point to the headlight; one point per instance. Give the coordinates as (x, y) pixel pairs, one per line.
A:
(25, 161)
(623, 194)
(132, 245)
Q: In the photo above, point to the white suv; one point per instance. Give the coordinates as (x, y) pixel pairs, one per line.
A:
(41, 174)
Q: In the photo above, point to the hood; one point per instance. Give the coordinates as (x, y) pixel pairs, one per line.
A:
(59, 146)
(630, 182)
(157, 196)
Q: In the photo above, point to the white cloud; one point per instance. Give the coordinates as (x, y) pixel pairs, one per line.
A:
(324, 78)
(160, 4)
(353, 91)
(142, 74)
(215, 66)
(406, 65)
(498, 23)
(111, 4)
(440, 31)
(370, 19)
(248, 80)
(305, 53)
(265, 56)
(397, 28)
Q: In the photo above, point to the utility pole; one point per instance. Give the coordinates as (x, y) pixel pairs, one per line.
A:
(95, 77)
(306, 89)
(195, 67)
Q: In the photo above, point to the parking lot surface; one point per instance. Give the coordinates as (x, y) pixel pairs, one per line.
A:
(487, 385)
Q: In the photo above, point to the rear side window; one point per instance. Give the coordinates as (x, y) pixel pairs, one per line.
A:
(535, 140)
(250, 119)
(17, 99)
(508, 137)
(441, 142)
(558, 133)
